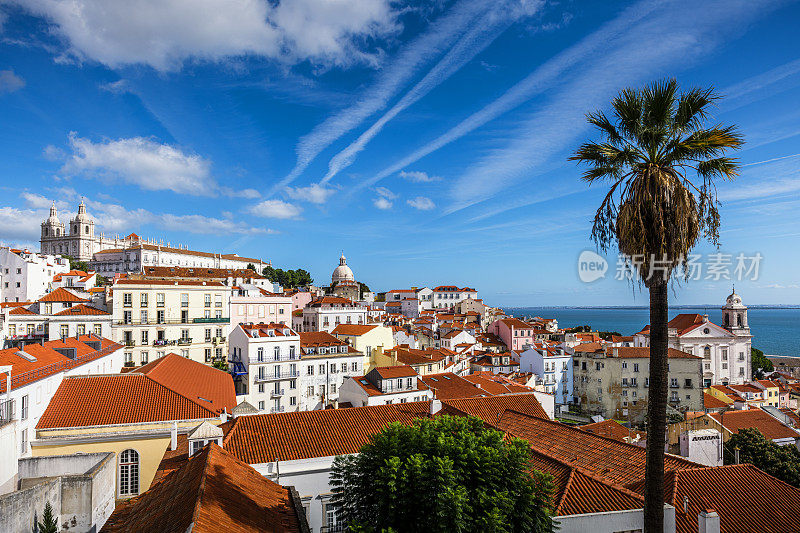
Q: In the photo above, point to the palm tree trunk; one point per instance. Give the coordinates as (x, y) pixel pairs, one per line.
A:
(656, 409)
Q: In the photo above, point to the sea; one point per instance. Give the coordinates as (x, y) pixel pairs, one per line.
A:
(775, 330)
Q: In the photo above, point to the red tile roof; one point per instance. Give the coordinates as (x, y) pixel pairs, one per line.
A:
(489, 409)
(353, 329)
(391, 372)
(644, 352)
(305, 434)
(614, 460)
(81, 309)
(745, 498)
(62, 295)
(580, 491)
(117, 399)
(711, 402)
(614, 430)
(496, 384)
(210, 387)
(770, 427)
(180, 282)
(213, 491)
(448, 385)
(47, 361)
(21, 311)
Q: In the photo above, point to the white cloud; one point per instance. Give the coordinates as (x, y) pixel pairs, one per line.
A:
(116, 87)
(431, 43)
(385, 193)
(36, 201)
(314, 193)
(242, 193)
(382, 203)
(417, 176)
(10, 82)
(276, 209)
(422, 203)
(492, 24)
(165, 33)
(18, 225)
(53, 153)
(143, 162)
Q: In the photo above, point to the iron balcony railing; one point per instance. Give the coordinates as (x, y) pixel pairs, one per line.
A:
(215, 320)
(276, 393)
(277, 409)
(273, 377)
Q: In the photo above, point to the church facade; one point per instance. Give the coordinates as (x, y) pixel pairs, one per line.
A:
(110, 255)
(725, 349)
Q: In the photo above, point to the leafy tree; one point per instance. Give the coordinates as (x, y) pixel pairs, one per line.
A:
(662, 163)
(252, 267)
(606, 335)
(441, 475)
(220, 364)
(48, 524)
(74, 264)
(288, 278)
(759, 363)
(782, 462)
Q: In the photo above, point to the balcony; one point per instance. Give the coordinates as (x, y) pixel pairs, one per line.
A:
(220, 320)
(276, 393)
(277, 409)
(674, 386)
(163, 342)
(129, 342)
(6, 412)
(184, 341)
(218, 340)
(273, 377)
(337, 528)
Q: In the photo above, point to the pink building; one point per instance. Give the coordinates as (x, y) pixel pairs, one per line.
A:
(300, 299)
(514, 333)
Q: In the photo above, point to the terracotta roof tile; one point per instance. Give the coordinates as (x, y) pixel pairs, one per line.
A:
(353, 329)
(617, 461)
(81, 309)
(391, 372)
(209, 387)
(213, 491)
(117, 399)
(770, 427)
(711, 402)
(614, 430)
(62, 295)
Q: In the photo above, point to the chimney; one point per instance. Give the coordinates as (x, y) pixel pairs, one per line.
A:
(223, 416)
(173, 437)
(436, 406)
(708, 521)
(705, 318)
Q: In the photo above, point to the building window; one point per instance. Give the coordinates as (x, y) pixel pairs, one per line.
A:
(129, 473)
(145, 358)
(23, 414)
(98, 329)
(143, 299)
(184, 299)
(23, 442)
(310, 391)
(159, 299)
(261, 405)
(127, 299)
(64, 330)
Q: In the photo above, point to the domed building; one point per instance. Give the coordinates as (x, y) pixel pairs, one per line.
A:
(342, 273)
(343, 282)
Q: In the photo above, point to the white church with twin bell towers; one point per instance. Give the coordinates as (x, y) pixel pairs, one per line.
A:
(725, 349)
(111, 254)
(78, 240)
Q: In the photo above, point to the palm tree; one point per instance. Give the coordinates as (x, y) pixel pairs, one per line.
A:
(662, 163)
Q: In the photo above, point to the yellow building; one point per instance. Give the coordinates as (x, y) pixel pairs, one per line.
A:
(365, 338)
(135, 415)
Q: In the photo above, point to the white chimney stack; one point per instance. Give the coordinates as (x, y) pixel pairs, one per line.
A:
(173, 437)
(708, 521)
(436, 406)
(223, 416)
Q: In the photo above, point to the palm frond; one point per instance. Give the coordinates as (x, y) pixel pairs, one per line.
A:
(692, 108)
(628, 109)
(721, 167)
(599, 119)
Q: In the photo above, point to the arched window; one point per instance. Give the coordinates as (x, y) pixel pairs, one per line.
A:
(129, 473)
(739, 320)
(707, 352)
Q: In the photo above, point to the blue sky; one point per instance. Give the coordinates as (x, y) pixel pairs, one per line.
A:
(428, 141)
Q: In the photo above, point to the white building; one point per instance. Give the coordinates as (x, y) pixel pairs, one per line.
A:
(553, 365)
(154, 317)
(276, 369)
(725, 349)
(385, 385)
(253, 304)
(110, 254)
(25, 275)
(327, 312)
(29, 377)
(447, 296)
(58, 314)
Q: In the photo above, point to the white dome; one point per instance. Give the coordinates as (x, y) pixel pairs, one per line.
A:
(734, 300)
(53, 218)
(342, 272)
(82, 216)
